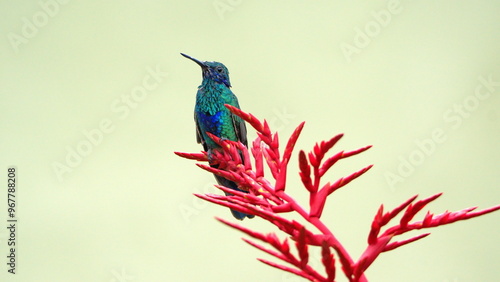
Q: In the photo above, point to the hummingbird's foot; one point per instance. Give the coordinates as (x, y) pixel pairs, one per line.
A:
(212, 160)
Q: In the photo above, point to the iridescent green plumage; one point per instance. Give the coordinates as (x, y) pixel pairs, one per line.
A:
(212, 116)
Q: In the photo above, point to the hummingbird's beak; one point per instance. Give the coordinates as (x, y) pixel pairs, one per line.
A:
(202, 64)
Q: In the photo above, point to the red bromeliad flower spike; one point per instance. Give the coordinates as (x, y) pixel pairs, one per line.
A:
(267, 199)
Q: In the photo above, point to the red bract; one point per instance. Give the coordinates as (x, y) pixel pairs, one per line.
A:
(268, 199)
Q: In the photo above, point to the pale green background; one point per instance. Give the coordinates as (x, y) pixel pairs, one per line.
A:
(118, 214)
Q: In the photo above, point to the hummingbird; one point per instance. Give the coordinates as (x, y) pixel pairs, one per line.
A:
(210, 115)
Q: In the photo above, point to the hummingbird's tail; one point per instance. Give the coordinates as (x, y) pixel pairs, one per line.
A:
(230, 184)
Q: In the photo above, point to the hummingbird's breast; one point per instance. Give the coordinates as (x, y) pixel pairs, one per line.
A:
(212, 99)
(211, 114)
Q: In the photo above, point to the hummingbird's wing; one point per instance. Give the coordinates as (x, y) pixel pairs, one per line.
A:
(238, 124)
(241, 134)
(199, 136)
(240, 129)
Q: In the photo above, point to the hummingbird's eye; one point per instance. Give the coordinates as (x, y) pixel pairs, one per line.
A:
(219, 69)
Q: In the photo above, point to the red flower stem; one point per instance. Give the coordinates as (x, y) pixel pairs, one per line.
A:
(329, 237)
(332, 241)
(317, 178)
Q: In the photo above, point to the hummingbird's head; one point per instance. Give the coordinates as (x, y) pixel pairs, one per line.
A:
(213, 71)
